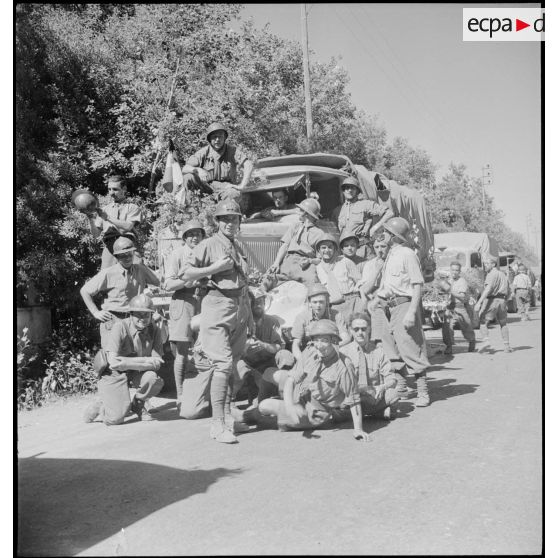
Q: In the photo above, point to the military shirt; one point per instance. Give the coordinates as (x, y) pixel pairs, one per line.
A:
(302, 239)
(120, 285)
(214, 248)
(497, 282)
(344, 274)
(305, 318)
(177, 260)
(522, 281)
(459, 287)
(121, 211)
(127, 341)
(332, 381)
(401, 272)
(351, 216)
(370, 362)
(373, 268)
(222, 167)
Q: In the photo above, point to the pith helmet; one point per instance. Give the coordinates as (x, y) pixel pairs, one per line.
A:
(215, 127)
(191, 226)
(227, 207)
(327, 237)
(316, 289)
(323, 327)
(84, 200)
(351, 181)
(310, 206)
(122, 245)
(346, 235)
(141, 303)
(398, 226)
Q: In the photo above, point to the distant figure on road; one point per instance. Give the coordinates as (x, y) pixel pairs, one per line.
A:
(492, 304)
(460, 310)
(134, 353)
(522, 290)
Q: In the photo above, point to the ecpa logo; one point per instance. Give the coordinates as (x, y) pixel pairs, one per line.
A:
(503, 24)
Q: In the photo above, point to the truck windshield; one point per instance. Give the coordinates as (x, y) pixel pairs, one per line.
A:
(444, 259)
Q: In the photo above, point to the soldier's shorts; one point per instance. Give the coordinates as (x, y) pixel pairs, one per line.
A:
(372, 405)
(496, 309)
(308, 417)
(292, 269)
(106, 327)
(182, 309)
(195, 401)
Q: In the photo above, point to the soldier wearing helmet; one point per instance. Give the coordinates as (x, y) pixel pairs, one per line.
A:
(297, 259)
(321, 383)
(225, 310)
(117, 218)
(401, 290)
(118, 283)
(214, 168)
(185, 301)
(318, 308)
(357, 216)
(134, 353)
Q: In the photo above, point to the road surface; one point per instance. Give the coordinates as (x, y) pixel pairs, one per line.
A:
(463, 476)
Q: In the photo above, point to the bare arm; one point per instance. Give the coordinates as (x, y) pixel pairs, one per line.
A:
(248, 168)
(94, 225)
(387, 215)
(119, 224)
(101, 315)
(297, 348)
(192, 273)
(279, 258)
(412, 312)
(142, 364)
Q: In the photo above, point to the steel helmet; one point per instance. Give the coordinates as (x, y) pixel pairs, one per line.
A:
(122, 245)
(257, 293)
(310, 206)
(227, 207)
(327, 237)
(316, 289)
(323, 327)
(215, 127)
(191, 226)
(351, 181)
(141, 303)
(398, 226)
(346, 235)
(84, 200)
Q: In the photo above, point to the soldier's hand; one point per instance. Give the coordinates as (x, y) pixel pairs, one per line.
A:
(408, 320)
(223, 264)
(119, 365)
(305, 264)
(102, 214)
(203, 174)
(103, 315)
(361, 436)
(273, 269)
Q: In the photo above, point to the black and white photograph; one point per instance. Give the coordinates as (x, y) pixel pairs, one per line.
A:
(279, 279)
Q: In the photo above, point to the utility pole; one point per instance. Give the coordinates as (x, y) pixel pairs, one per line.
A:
(529, 223)
(486, 181)
(306, 68)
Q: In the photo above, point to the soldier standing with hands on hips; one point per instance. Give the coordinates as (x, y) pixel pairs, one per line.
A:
(225, 311)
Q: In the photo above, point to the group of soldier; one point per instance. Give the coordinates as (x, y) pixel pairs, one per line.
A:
(357, 348)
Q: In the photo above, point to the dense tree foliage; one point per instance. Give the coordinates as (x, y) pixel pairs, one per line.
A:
(101, 88)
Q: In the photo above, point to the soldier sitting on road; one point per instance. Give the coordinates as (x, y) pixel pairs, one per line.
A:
(322, 381)
(297, 258)
(116, 219)
(376, 380)
(318, 309)
(214, 168)
(120, 283)
(134, 352)
(356, 216)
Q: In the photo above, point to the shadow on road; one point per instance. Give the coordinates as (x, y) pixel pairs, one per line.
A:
(447, 388)
(67, 505)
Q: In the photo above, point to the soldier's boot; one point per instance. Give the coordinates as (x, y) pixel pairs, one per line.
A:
(423, 397)
(235, 425)
(472, 345)
(402, 390)
(219, 432)
(92, 411)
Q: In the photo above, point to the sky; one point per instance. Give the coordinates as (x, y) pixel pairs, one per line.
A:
(475, 103)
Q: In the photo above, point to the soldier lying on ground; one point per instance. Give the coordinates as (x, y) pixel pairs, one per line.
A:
(134, 352)
(321, 383)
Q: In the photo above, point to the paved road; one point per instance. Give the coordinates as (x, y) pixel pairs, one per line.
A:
(462, 476)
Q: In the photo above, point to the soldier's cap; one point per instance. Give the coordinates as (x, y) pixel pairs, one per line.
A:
(323, 327)
(346, 235)
(227, 207)
(256, 292)
(316, 289)
(284, 359)
(141, 303)
(327, 237)
(191, 226)
(76, 193)
(351, 181)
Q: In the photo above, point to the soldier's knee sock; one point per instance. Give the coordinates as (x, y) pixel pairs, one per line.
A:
(484, 332)
(401, 382)
(229, 395)
(422, 386)
(505, 334)
(179, 371)
(218, 393)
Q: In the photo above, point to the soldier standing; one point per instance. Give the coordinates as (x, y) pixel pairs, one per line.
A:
(522, 290)
(225, 310)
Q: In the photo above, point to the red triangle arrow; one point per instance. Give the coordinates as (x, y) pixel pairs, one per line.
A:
(519, 25)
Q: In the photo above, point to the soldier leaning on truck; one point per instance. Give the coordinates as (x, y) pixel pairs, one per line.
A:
(118, 218)
(120, 283)
(214, 168)
(492, 304)
(357, 216)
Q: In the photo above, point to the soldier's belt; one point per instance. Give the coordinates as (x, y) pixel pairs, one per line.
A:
(497, 296)
(229, 293)
(394, 301)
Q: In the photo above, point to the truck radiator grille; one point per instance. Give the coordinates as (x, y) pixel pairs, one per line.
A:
(260, 253)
